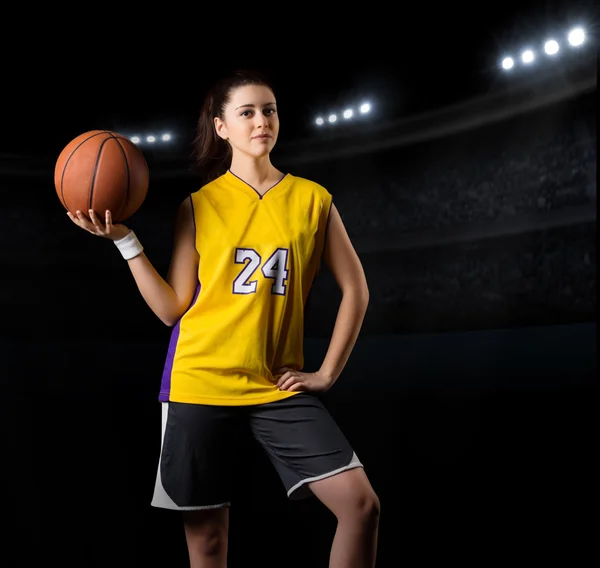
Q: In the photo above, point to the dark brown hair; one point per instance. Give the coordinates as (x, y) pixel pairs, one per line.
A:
(212, 154)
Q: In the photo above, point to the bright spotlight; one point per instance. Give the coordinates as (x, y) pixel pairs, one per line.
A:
(365, 107)
(508, 63)
(166, 137)
(332, 118)
(576, 37)
(551, 47)
(348, 113)
(150, 139)
(135, 139)
(319, 121)
(527, 56)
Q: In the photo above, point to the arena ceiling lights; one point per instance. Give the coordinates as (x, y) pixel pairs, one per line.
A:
(346, 115)
(551, 48)
(151, 139)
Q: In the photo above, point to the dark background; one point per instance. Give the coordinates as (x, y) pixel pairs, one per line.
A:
(470, 396)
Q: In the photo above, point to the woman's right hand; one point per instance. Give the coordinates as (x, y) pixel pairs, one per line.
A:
(106, 230)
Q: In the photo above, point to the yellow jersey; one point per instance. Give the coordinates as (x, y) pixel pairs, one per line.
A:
(259, 256)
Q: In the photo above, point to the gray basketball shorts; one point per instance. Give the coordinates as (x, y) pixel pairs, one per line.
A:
(198, 449)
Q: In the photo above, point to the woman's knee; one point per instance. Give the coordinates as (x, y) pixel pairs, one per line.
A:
(349, 496)
(366, 505)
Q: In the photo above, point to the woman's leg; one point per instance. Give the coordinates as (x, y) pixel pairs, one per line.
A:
(312, 456)
(196, 461)
(206, 534)
(350, 497)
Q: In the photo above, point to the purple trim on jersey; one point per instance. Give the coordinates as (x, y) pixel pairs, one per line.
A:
(193, 212)
(257, 193)
(165, 384)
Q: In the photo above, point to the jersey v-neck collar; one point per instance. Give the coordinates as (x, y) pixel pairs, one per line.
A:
(239, 183)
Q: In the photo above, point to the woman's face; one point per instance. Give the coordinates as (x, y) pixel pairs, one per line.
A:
(250, 122)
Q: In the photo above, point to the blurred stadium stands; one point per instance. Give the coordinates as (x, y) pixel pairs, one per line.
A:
(478, 216)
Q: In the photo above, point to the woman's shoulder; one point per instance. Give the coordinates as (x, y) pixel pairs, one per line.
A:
(311, 185)
(207, 187)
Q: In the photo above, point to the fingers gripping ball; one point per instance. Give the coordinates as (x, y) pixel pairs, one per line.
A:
(101, 170)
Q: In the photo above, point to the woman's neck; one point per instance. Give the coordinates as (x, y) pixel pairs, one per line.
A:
(258, 173)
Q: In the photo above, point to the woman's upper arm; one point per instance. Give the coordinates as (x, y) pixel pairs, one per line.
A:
(341, 258)
(183, 270)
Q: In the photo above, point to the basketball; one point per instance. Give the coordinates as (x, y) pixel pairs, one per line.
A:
(101, 170)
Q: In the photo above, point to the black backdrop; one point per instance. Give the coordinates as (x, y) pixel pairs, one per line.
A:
(470, 396)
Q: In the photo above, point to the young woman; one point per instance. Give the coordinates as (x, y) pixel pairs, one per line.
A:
(247, 248)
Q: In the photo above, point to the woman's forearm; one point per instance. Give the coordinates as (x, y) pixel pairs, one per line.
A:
(348, 323)
(159, 295)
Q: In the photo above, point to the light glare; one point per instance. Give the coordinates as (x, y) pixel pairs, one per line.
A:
(551, 47)
(527, 56)
(576, 37)
(507, 63)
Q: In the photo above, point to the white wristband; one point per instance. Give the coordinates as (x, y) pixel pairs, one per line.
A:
(129, 246)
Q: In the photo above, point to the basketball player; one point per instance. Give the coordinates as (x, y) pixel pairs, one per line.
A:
(247, 248)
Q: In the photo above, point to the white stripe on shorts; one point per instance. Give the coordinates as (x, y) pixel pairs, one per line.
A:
(354, 462)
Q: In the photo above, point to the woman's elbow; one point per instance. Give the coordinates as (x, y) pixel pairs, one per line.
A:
(172, 320)
(364, 294)
(359, 291)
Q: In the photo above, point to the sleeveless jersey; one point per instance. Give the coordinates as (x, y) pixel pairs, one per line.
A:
(259, 256)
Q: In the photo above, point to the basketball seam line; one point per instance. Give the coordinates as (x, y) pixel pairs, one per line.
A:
(96, 170)
(62, 177)
(128, 175)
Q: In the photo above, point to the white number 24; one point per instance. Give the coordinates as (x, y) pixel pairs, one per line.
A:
(274, 267)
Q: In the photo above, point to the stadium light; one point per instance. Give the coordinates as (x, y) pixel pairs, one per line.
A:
(527, 56)
(551, 47)
(508, 63)
(151, 139)
(348, 114)
(576, 37)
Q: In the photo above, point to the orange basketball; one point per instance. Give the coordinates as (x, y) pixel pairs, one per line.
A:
(101, 170)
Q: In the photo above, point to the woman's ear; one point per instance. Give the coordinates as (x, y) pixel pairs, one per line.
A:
(220, 128)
